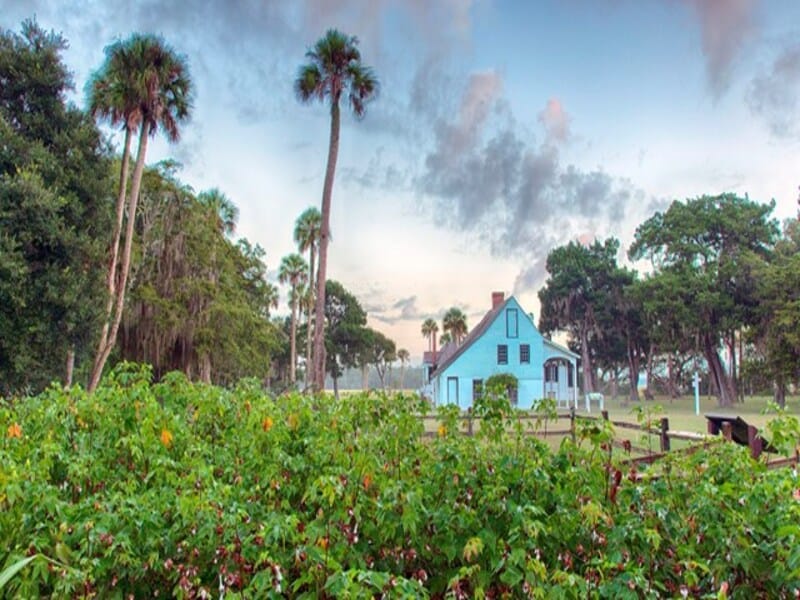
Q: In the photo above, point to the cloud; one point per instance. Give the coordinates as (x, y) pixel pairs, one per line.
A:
(726, 27)
(775, 95)
(486, 176)
(555, 120)
(404, 309)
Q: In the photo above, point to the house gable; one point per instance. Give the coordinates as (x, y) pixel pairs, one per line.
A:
(505, 341)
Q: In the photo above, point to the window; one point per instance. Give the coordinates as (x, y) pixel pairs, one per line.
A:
(570, 375)
(502, 354)
(477, 389)
(524, 354)
(551, 372)
(512, 323)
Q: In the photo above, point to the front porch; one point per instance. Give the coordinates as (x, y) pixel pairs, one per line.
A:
(560, 380)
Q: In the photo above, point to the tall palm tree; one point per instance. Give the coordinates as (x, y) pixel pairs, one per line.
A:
(334, 69)
(306, 236)
(455, 322)
(429, 330)
(403, 356)
(142, 85)
(294, 271)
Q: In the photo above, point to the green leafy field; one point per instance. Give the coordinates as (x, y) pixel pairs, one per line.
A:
(192, 491)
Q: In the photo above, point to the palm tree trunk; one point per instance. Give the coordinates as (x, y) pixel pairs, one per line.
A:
(324, 237)
(111, 279)
(119, 299)
(309, 366)
(293, 340)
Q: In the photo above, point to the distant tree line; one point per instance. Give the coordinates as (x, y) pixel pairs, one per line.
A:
(721, 295)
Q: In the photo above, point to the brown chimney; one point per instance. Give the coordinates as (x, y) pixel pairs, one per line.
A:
(497, 299)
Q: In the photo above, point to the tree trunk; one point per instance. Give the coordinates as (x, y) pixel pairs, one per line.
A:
(293, 339)
(324, 237)
(403, 376)
(365, 377)
(205, 367)
(588, 378)
(633, 369)
(119, 300)
(381, 370)
(717, 373)
(70, 367)
(614, 383)
(731, 341)
(780, 392)
(648, 393)
(740, 388)
(671, 384)
(335, 386)
(111, 278)
(309, 365)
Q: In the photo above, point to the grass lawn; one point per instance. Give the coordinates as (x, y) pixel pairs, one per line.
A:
(682, 416)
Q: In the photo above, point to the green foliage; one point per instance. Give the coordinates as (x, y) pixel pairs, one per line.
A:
(54, 214)
(347, 337)
(706, 253)
(577, 297)
(198, 301)
(177, 488)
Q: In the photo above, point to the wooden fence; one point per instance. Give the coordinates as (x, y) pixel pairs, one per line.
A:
(659, 429)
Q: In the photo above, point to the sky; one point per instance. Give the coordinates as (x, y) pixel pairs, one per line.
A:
(502, 128)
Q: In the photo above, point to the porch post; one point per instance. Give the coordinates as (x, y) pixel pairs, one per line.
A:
(574, 383)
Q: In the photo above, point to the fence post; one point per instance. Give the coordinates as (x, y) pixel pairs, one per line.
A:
(664, 434)
(754, 441)
(572, 423)
(469, 421)
(727, 430)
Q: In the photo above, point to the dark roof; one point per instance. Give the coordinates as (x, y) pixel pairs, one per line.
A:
(448, 356)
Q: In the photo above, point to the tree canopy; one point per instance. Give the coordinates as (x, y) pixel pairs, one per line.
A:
(54, 175)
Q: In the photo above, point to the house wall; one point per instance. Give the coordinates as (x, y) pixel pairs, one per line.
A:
(479, 361)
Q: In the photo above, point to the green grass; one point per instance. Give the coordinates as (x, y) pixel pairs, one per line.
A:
(681, 415)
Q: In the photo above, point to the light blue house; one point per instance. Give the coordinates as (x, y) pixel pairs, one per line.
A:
(505, 341)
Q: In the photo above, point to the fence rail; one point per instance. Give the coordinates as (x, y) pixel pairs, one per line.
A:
(658, 429)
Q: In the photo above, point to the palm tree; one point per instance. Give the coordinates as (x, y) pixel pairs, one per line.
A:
(334, 68)
(222, 211)
(455, 322)
(293, 270)
(403, 356)
(142, 85)
(306, 236)
(445, 339)
(429, 330)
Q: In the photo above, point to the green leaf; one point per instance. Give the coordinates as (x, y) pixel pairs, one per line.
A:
(12, 570)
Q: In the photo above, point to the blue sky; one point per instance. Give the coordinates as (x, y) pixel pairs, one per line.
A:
(502, 129)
